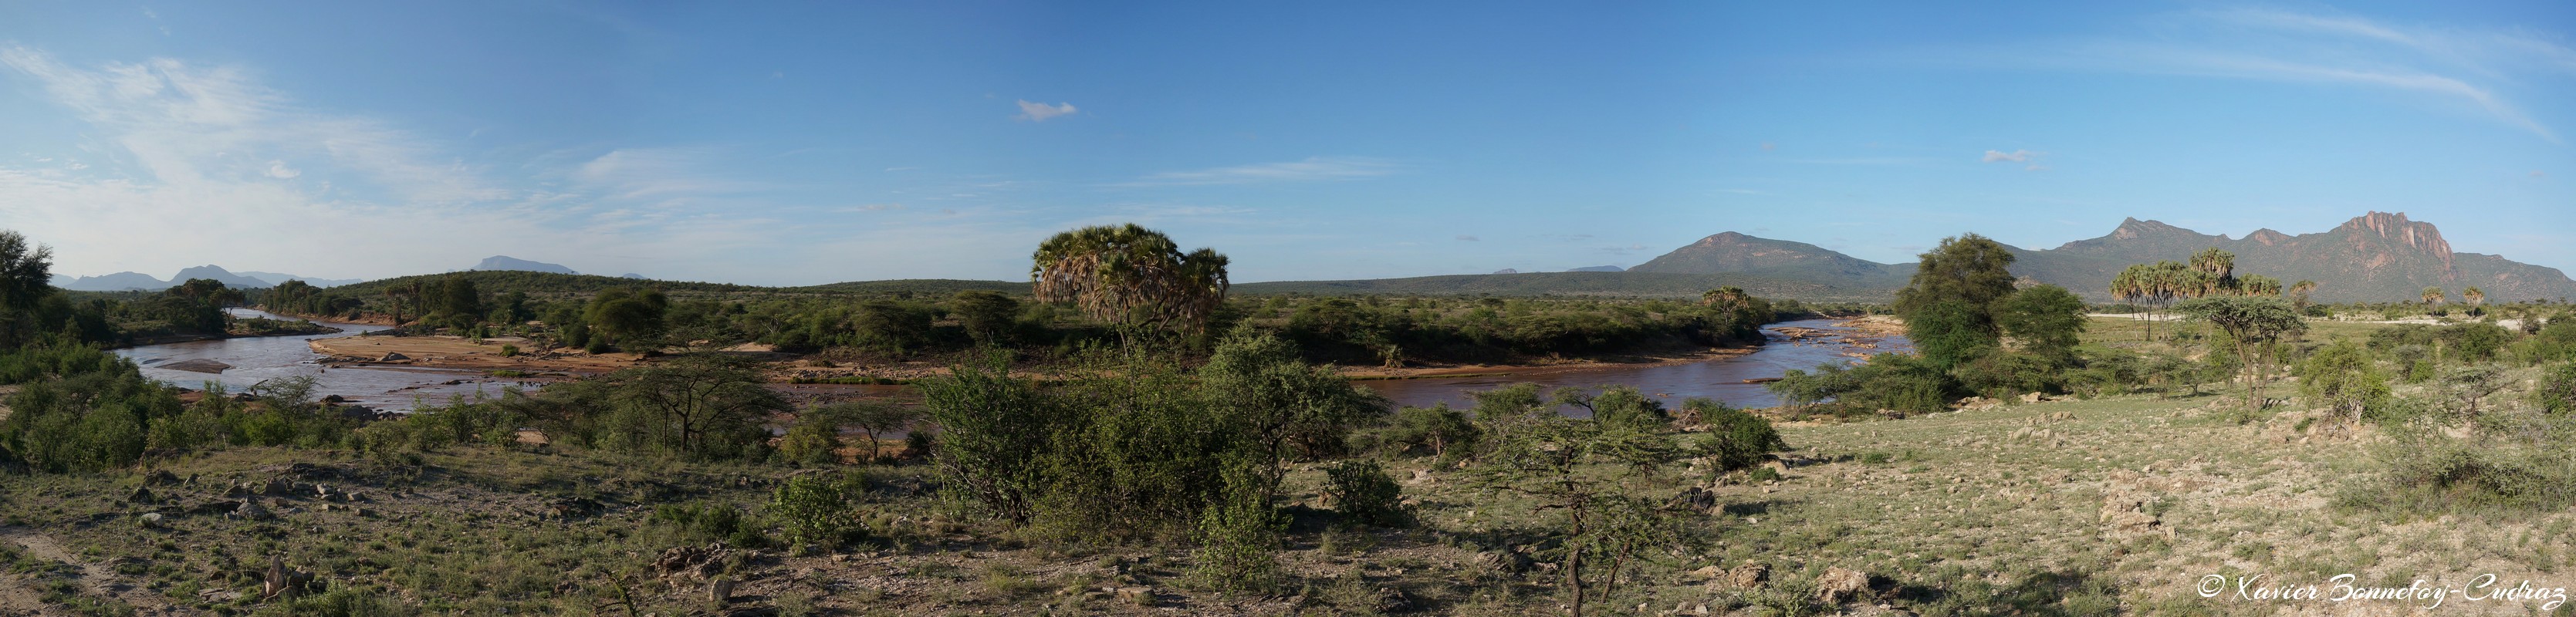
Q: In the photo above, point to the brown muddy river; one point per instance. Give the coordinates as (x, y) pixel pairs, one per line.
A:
(403, 389)
(268, 357)
(1721, 379)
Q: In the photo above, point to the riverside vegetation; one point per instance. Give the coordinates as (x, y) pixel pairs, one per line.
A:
(2029, 460)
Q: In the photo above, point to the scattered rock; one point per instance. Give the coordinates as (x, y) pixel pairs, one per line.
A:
(2031, 397)
(283, 582)
(1392, 600)
(1139, 596)
(704, 561)
(1751, 575)
(251, 510)
(151, 519)
(1840, 585)
(1506, 561)
(720, 590)
(1704, 573)
(160, 478)
(140, 495)
(393, 356)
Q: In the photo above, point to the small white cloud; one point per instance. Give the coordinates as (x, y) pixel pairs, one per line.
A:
(878, 207)
(2017, 156)
(1039, 112)
(1468, 238)
(2035, 167)
(1768, 146)
(279, 170)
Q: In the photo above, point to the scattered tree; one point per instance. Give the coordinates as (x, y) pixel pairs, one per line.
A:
(2252, 324)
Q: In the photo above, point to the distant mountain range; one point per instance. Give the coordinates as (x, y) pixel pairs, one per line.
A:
(505, 262)
(2374, 257)
(129, 281)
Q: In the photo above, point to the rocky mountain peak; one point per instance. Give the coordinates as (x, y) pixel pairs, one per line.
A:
(1724, 238)
(2415, 235)
(2131, 228)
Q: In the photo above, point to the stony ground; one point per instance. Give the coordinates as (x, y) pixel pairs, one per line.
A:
(2072, 507)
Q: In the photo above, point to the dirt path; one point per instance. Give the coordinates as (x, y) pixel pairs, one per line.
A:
(97, 580)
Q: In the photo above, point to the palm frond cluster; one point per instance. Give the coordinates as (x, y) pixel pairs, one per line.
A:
(1131, 275)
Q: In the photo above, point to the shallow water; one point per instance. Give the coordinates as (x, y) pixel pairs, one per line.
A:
(1721, 379)
(403, 388)
(259, 358)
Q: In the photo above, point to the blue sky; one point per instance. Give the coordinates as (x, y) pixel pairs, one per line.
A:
(774, 143)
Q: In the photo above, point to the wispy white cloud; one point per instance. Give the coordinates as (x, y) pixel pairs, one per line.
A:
(207, 161)
(2476, 67)
(651, 173)
(1309, 170)
(1998, 156)
(1040, 112)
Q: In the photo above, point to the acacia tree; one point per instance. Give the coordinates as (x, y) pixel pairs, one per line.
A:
(2299, 295)
(1131, 275)
(1947, 305)
(985, 315)
(26, 271)
(2252, 323)
(2045, 319)
(26, 277)
(698, 406)
(1552, 460)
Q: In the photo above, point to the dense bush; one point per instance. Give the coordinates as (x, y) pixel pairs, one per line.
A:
(1362, 492)
(2556, 391)
(2343, 377)
(811, 510)
(1898, 382)
(1128, 444)
(1437, 430)
(1735, 439)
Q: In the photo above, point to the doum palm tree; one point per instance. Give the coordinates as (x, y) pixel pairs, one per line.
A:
(1130, 275)
(2476, 297)
(2432, 296)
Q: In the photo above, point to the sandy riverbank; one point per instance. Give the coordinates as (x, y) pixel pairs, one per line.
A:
(461, 353)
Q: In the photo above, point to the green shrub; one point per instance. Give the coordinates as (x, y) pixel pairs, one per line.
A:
(811, 510)
(1239, 535)
(2001, 374)
(2556, 391)
(1735, 439)
(1443, 431)
(2342, 377)
(509, 350)
(1363, 493)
